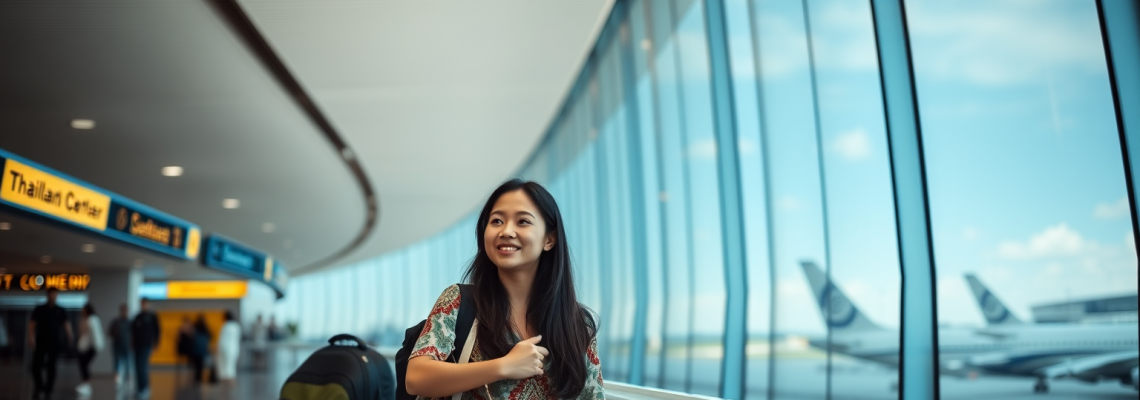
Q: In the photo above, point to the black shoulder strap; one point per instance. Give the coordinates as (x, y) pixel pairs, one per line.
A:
(464, 321)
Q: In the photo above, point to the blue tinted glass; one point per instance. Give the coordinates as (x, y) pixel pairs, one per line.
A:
(1027, 192)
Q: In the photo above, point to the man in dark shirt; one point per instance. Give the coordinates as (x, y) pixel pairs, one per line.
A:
(144, 336)
(120, 331)
(45, 336)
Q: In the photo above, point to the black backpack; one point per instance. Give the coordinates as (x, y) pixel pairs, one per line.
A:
(411, 335)
(339, 372)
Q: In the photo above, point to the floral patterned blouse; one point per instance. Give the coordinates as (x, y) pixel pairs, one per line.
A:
(438, 340)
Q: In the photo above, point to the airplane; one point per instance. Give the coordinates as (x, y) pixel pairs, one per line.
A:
(1045, 352)
(1084, 365)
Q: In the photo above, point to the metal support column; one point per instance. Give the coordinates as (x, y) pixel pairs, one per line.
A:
(640, 249)
(918, 361)
(1121, 34)
(731, 207)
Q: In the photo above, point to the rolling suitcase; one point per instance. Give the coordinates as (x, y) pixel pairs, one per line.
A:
(340, 372)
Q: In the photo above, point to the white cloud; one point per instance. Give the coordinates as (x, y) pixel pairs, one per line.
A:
(1059, 256)
(788, 203)
(853, 144)
(1004, 43)
(970, 233)
(747, 147)
(703, 149)
(1119, 209)
(1055, 264)
(1054, 241)
(843, 36)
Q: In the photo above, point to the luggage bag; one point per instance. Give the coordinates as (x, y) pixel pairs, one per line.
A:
(340, 372)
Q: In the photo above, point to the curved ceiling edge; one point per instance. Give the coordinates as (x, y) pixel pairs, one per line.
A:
(240, 22)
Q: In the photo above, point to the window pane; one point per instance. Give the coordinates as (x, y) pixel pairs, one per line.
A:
(1027, 192)
(799, 370)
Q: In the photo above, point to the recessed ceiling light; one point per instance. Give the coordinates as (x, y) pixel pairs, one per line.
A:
(231, 204)
(268, 227)
(89, 248)
(82, 124)
(5, 226)
(172, 170)
(45, 259)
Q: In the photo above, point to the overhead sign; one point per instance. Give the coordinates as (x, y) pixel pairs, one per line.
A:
(48, 194)
(35, 282)
(236, 258)
(194, 290)
(36, 189)
(154, 229)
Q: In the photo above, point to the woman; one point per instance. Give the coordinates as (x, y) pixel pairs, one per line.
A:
(533, 338)
(229, 343)
(90, 343)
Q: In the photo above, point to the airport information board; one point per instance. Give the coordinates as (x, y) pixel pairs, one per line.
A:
(231, 256)
(39, 190)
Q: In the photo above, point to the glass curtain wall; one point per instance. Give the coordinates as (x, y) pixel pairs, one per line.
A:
(1029, 205)
(1026, 184)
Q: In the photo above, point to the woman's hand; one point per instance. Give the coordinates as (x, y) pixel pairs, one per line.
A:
(524, 360)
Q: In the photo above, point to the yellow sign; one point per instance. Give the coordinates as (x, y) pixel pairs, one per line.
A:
(28, 283)
(268, 269)
(205, 289)
(193, 242)
(49, 194)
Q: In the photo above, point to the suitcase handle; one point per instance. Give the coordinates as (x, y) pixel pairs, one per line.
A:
(344, 336)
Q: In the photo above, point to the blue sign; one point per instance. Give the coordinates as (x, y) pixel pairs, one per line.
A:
(35, 189)
(231, 256)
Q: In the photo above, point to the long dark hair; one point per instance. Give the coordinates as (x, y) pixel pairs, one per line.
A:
(566, 326)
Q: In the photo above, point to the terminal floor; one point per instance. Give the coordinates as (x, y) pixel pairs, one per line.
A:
(865, 383)
(167, 383)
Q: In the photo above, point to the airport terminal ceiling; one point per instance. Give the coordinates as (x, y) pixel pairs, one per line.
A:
(171, 84)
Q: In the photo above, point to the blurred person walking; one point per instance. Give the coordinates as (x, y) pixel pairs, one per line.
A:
(199, 347)
(229, 346)
(120, 332)
(258, 335)
(90, 343)
(45, 335)
(144, 337)
(185, 344)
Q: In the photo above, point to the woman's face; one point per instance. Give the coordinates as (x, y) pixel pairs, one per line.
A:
(515, 236)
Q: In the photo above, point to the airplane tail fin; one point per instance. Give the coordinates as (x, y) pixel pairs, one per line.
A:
(993, 309)
(838, 311)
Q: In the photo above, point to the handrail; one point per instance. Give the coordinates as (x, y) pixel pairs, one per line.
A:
(614, 390)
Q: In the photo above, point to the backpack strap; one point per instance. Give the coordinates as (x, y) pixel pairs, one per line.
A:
(464, 321)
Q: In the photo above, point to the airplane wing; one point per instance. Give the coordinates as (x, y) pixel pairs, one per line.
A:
(1091, 368)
